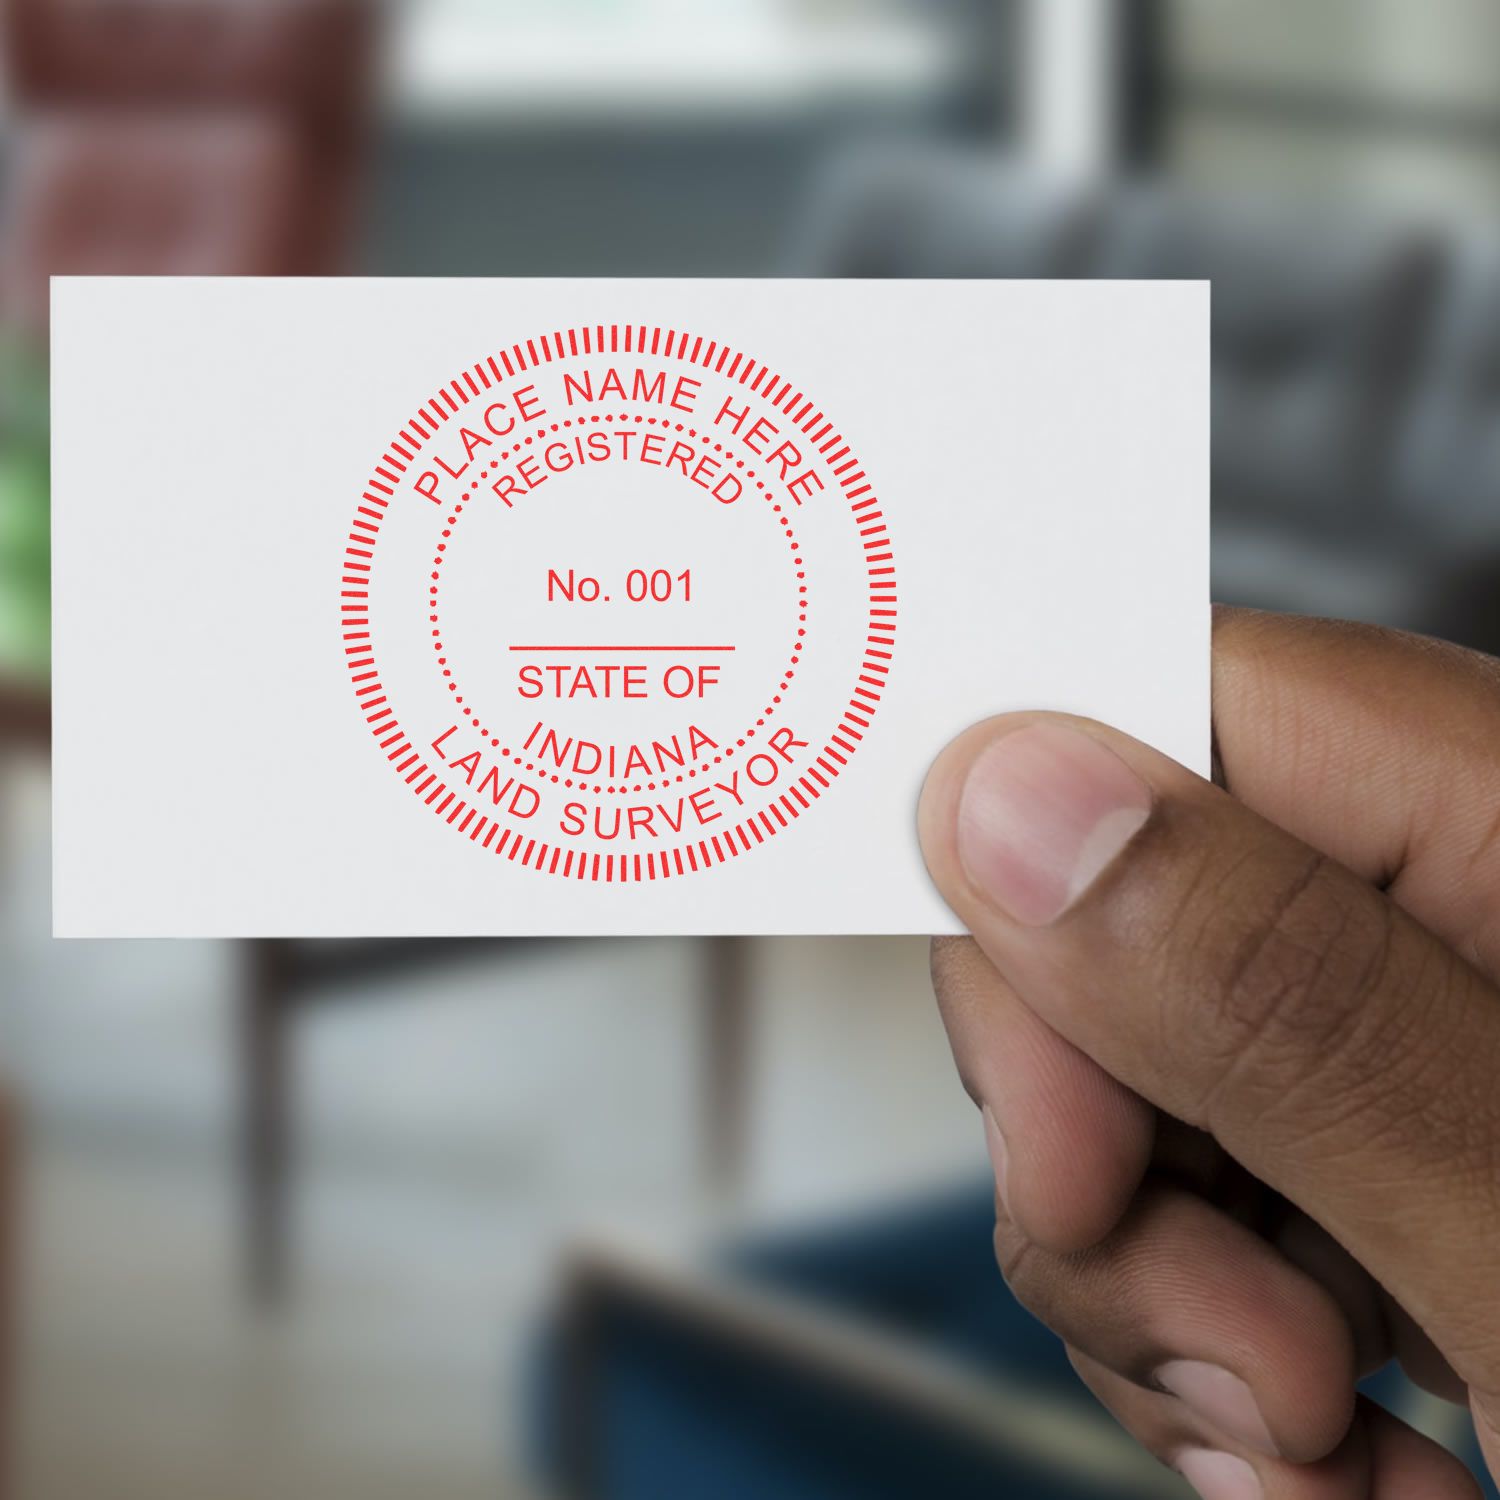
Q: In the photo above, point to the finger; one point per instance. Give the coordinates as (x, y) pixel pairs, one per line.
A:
(1381, 1458)
(1183, 1299)
(1069, 1144)
(1378, 748)
(1217, 1468)
(1316, 1253)
(1381, 1328)
(1248, 986)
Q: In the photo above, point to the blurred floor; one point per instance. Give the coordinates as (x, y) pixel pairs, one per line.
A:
(146, 1374)
(458, 1130)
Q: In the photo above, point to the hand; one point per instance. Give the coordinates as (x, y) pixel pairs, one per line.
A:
(1237, 1049)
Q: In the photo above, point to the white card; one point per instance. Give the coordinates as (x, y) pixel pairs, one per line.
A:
(466, 607)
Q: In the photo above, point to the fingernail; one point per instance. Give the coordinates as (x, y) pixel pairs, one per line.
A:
(1219, 1476)
(999, 1154)
(1043, 811)
(1221, 1398)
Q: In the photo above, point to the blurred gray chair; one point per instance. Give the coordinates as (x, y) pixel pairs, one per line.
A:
(1355, 380)
(1317, 321)
(1448, 466)
(1446, 479)
(924, 212)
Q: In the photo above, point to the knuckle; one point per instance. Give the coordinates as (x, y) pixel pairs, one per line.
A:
(1484, 1398)
(960, 981)
(1060, 1291)
(946, 959)
(1291, 975)
(1027, 1272)
(1474, 1354)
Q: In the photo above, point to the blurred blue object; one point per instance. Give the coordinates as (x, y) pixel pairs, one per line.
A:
(1391, 1389)
(926, 1271)
(879, 1357)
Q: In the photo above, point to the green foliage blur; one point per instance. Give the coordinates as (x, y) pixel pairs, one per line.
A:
(25, 543)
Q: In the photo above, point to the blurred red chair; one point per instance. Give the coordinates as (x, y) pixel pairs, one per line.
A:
(174, 137)
(226, 137)
(201, 137)
(144, 196)
(304, 58)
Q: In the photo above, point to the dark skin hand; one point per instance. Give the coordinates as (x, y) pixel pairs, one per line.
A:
(1237, 1048)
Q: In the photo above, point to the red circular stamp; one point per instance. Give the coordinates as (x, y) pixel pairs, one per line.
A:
(619, 603)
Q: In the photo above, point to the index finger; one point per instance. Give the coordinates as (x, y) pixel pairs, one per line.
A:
(1375, 747)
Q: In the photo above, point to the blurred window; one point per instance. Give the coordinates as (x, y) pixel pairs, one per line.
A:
(667, 57)
(1375, 98)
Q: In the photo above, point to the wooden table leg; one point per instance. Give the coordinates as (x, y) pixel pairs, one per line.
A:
(726, 1063)
(266, 1124)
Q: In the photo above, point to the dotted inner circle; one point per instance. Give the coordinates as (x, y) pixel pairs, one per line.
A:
(645, 786)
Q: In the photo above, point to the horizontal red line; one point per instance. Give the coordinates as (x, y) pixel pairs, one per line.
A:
(622, 648)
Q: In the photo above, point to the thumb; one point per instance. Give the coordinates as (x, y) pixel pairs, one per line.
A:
(1248, 985)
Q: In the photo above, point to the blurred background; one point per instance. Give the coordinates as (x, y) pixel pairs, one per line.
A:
(663, 1219)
